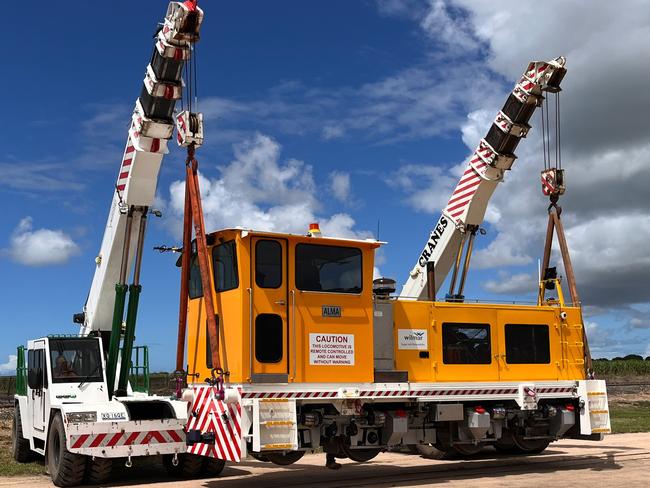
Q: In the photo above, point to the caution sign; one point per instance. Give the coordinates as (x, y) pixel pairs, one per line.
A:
(331, 349)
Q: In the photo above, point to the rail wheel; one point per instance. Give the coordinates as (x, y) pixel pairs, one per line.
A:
(284, 458)
(530, 446)
(506, 444)
(359, 455)
(65, 468)
(467, 450)
(189, 465)
(19, 445)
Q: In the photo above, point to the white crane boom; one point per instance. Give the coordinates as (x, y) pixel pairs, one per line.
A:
(493, 156)
(152, 125)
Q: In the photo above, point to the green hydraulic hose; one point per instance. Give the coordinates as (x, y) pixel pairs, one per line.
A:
(129, 336)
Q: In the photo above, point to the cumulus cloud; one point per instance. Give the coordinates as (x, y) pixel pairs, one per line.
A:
(260, 191)
(605, 147)
(520, 283)
(340, 185)
(10, 366)
(40, 247)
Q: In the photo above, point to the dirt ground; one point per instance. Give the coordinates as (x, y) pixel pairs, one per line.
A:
(619, 460)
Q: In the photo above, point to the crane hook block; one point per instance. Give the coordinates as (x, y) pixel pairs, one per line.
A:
(189, 128)
(553, 182)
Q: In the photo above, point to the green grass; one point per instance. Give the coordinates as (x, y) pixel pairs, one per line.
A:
(9, 467)
(627, 367)
(630, 417)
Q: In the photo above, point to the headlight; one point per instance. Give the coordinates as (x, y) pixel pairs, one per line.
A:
(76, 417)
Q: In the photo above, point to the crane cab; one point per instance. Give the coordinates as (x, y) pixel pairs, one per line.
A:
(289, 308)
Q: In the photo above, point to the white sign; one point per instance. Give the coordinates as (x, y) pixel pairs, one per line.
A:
(412, 339)
(331, 349)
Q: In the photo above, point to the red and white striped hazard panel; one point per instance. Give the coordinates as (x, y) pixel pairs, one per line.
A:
(223, 419)
(117, 439)
(125, 169)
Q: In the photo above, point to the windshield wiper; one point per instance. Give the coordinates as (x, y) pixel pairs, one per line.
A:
(88, 376)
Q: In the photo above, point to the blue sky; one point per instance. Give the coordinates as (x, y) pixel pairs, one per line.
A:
(347, 112)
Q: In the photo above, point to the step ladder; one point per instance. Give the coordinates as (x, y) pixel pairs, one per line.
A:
(275, 426)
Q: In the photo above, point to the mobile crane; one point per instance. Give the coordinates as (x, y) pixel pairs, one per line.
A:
(286, 344)
(74, 402)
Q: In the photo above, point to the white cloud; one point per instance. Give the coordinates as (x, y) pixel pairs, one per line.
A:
(452, 30)
(333, 132)
(340, 185)
(638, 323)
(520, 283)
(259, 191)
(41, 247)
(10, 366)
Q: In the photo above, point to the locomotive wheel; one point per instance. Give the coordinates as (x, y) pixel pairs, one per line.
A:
(360, 455)
(506, 445)
(530, 446)
(467, 450)
(284, 458)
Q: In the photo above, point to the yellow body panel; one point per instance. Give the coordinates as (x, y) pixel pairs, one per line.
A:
(301, 313)
(306, 327)
(565, 341)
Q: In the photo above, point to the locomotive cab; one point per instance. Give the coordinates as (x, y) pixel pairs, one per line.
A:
(289, 308)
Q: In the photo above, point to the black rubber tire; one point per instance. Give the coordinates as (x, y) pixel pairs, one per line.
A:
(212, 467)
(19, 445)
(189, 465)
(65, 468)
(284, 458)
(98, 470)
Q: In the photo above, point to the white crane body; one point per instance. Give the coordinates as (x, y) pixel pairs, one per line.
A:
(485, 169)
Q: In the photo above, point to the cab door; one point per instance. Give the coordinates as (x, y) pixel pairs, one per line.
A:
(270, 306)
(37, 383)
(529, 345)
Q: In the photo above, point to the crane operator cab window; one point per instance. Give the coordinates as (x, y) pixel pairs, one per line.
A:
(330, 269)
(74, 360)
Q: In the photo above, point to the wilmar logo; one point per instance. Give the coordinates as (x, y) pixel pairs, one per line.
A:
(416, 339)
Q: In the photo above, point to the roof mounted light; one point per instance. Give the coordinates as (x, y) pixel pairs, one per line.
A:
(314, 230)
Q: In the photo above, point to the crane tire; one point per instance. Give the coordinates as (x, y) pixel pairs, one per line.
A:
(98, 470)
(65, 468)
(213, 467)
(19, 445)
(189, 465)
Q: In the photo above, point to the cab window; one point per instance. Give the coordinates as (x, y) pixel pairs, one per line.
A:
(466, 344)
(328, 268)
(224, 266)
(195, 285)
(268, 264)
(527, 344)
(75, 360)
